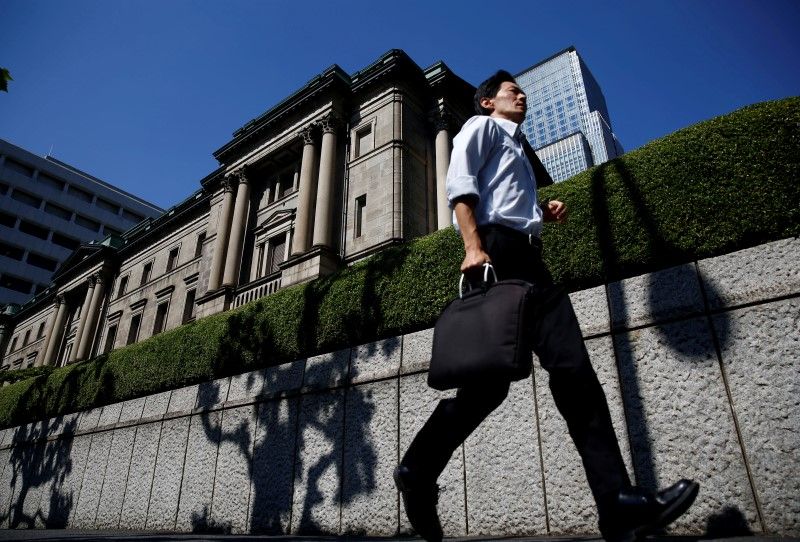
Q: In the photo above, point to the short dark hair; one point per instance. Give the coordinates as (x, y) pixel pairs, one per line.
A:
(489, 89)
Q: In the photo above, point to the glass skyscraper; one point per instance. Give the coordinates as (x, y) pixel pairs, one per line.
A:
(567, 122)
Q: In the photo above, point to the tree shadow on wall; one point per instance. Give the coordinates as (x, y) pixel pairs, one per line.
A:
(307, 454)
(671, 295)
(35, 475)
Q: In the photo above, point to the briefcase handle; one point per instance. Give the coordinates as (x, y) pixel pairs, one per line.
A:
(486, 268)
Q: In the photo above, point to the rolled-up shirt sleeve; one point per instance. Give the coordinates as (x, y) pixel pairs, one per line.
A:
(470, 150)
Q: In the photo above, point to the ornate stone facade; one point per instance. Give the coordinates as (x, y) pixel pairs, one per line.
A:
(343, 167)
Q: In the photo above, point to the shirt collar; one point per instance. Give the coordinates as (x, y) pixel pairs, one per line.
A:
(510, 127)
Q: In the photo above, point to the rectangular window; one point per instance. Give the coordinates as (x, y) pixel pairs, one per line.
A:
(130, 215)
(33, 229)
(13, 345)
(7, 220)
(10, 251)
(26, 339)
(261, 251)
(148, 268)
(3, 189)
(133, 332)
(108, 230)
(172, 260)
(106, 205)
(27, 199)
(87, 223)
(40, 333)
(361, 203)
(50, 182)
(123, 286)
(22, 169)
(18, 285)
(188, 307)
(161, 318)
(64, 241)
(276, 253)
(364, 141)
(111, 337)
(42, 262)
(55, 210)
(198, 248)
(80, 193)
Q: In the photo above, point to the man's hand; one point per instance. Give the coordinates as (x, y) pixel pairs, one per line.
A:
(554, 211)
(474, 259)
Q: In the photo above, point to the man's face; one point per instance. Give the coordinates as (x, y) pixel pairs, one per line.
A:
(509, 103)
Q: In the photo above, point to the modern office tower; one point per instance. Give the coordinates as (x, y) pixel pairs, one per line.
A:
(47, 209)
(567, 122)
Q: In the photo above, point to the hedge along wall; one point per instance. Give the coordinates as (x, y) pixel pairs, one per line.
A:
(721, 185)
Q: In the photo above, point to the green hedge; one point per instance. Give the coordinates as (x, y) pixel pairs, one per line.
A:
(718, 186)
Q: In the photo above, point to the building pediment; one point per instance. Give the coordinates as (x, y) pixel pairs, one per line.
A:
(275, 219)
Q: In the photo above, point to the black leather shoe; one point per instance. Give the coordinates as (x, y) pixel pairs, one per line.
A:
(420, 500)
(636, 512)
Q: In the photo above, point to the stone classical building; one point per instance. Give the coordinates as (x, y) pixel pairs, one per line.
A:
(341, 168)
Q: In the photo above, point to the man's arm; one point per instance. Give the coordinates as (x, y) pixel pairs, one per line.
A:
(475, 256)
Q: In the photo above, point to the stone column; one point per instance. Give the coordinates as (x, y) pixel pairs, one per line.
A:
(223, 232)
(323, 219)
(307, 194)
(49, 333)
(443, 213)
(73, 355)
(233, 256)
(56, 332)
(90, 329)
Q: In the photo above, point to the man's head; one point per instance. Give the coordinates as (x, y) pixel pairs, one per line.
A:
(500, 96)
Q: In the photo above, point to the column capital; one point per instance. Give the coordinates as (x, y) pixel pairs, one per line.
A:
(240, 175)
(99, 277)
(92, 280)
(229, 183)
(442, 120)
(330, 123)
(307, 135)
(59, 300)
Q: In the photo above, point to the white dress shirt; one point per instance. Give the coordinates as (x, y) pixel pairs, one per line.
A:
(488, 162)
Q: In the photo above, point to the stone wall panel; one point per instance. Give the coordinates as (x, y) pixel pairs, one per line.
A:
(197, 487)
(116, 478)
(369, 498)
(86, 511)
(591, 308)
(417, 351)
(674, 396)
(504, 475)
(375, 360)
(140, 476)
(764, 378)
(165, 493)
(417, 401)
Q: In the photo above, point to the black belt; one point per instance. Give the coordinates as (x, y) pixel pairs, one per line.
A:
(511, 232)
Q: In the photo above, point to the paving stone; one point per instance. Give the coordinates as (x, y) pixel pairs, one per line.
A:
(316, 499)
(417, 401)
(761, 360)
(369, 497)
(116, 477)
(655, 297)
(214, 393)
(417, 351)
(570, 506)
(110, 415)
(183, 399)
(591, 308)
(92, 485)
(55, 501)
(754, 274)
(273, 460)
(504, 475)
(156, 405)
(197, 488)
(672, 399)
(375, 360)
(327, 370)
(140, 477)
(165, 492)
(232, 480)
(89, 419)
(132, 410)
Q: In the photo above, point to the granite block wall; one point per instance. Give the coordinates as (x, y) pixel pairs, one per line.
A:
(700, 365)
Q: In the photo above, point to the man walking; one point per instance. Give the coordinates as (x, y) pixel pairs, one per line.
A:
(491, 187)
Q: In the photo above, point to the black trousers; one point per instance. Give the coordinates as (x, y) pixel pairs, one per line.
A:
(558, 343)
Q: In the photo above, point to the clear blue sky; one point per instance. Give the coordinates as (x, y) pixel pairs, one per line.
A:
(140, 93)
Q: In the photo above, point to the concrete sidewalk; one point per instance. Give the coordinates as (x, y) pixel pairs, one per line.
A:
(98, 536)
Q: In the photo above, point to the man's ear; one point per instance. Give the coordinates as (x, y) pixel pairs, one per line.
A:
(487, 103)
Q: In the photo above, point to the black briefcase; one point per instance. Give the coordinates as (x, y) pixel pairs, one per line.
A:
(482, 335)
